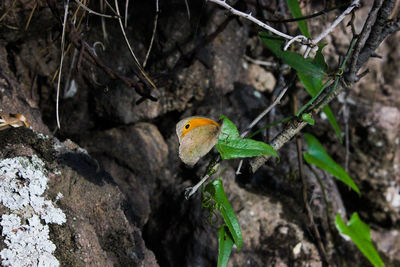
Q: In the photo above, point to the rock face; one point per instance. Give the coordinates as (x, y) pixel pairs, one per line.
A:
(135, 156)
(87, 224)
(114, 195)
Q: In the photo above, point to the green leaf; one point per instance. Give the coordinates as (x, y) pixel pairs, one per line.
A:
(216, 190)
(359, 233)
(319, 58)
(296, 61)
(225, 245)
(308, 118)
(244, 148)
(229, 130)
(318, 156)
(294, 8)
(313, 87)
(332, 120)
(230, 145)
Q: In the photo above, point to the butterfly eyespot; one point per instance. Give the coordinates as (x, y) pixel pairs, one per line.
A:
(187, 126)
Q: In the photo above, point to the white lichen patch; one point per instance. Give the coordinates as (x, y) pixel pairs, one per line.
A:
(42, 136)
(28, 245)
(23, 181)
(393, 195)
(59, 196)
(21, 178)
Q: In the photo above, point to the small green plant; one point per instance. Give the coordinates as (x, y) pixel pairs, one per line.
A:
(214, 199)
(313, 74)
(360, 234)
(310, 72)
(230, 145)
(318, 156)
(320, 84)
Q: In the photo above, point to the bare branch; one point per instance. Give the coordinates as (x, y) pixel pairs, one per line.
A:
(336, 22)
(265, 112)
(292, 129)
(212, 168)
(363, 38)
(299, 38)
(332, 26)
(268, 109)
(376, 37)
(322, 12)
(251, 18)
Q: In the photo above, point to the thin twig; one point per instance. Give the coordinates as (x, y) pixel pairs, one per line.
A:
(264, 113)
(328, 30)
(111, 7)
(131, 50)
(211, 169)
(8, 10)
(90, 11)
(251, 18)
(66, 6)
(187, 9)
(125, 37)
(305, 200)
(290, 131)
(296, 38)
(324, 194)
(322, 12)
(31, 15)
(336, 22)
(126, 13)
(152, 36)
(300, 38)
(320, 245)
(261, 62)
(89, 54)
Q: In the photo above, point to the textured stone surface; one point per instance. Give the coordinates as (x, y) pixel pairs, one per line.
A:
(135, 156)
(96, 231)
(259, 78)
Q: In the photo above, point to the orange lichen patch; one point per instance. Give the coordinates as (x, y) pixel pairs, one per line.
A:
(197, 122)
